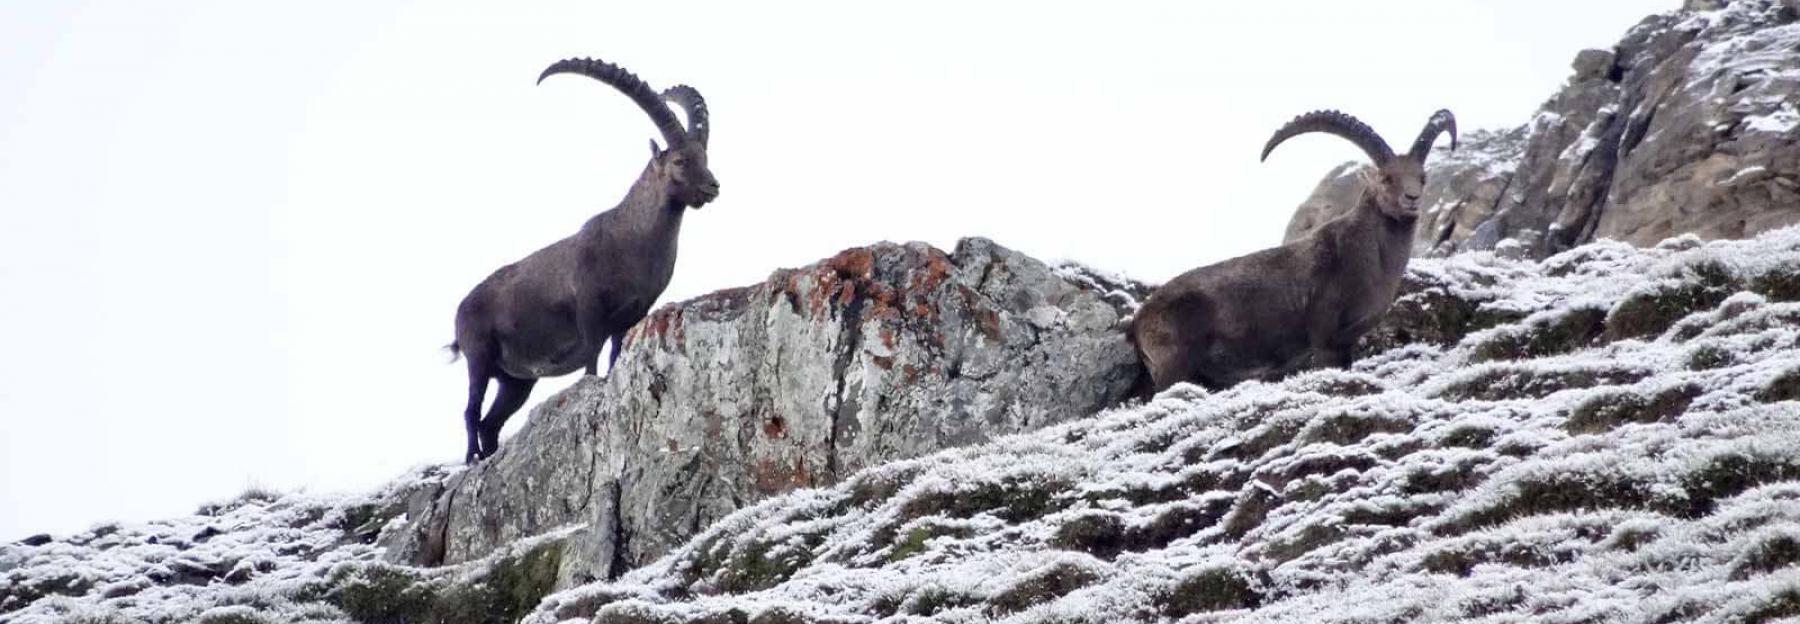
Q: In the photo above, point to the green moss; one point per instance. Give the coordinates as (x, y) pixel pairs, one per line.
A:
(382, 594)
(1012, 500)
(760, 566)
(1050, 583)
(912, 544)
(1211, 589)
(509, 590)
(934, 599)
(379, 593)
(1552, 336)
(1608, 410)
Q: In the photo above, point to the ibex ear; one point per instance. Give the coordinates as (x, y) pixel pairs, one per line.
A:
(655, 150)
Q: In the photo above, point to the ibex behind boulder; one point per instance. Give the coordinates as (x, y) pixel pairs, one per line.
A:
(1303, 304)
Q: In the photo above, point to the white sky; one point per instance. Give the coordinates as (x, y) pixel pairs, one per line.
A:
(233, 235)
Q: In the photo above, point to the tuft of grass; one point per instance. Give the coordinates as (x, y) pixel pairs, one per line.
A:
(1650, 313)
(1774, 553)
(1210, 589)
(1101, 534)
(1050, 583)
(1785, 387)
(1553, 336)
(1522, 382)
(1608, 410)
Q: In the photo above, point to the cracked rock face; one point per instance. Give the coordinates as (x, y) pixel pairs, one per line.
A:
(877, 354)
(1688, 124)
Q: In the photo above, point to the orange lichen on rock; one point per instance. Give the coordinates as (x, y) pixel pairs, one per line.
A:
(774, 475)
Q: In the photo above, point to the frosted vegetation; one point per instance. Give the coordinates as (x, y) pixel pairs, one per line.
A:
(1605, 435)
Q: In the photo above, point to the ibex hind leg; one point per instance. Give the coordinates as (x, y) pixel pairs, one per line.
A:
(478, 383)
(507, 400)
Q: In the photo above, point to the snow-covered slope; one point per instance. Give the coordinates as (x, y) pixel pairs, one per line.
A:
(264, 557)
(1606, 435)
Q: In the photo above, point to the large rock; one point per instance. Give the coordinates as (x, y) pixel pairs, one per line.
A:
(880, 353)
(1689, 124)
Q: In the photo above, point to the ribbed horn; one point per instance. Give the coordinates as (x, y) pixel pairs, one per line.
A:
(699, 120)
(1441, 121)
(1340, 124)
(631, 86)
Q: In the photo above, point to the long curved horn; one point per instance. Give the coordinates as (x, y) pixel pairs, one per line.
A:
(699, 120)
(626, 83)
(1340, 124)
(1441, 121)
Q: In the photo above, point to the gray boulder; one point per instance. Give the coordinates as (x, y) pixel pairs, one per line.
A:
(877, 354)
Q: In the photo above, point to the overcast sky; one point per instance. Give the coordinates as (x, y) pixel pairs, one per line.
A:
(233, 235)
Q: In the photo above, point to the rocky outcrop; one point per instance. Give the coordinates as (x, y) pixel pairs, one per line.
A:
(1688, 124)
(879, 353)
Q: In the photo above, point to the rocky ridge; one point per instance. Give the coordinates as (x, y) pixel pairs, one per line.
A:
(1687, 125)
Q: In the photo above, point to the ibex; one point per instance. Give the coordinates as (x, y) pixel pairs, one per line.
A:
(1303, 304)
(550, 313)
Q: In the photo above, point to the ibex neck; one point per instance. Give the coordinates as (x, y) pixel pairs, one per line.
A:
(649, 207)
(1393, 236)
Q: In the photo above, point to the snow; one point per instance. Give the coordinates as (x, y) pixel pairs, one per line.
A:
(1425, 484)
(1782, 120)
(1121, 290)
(255, 552)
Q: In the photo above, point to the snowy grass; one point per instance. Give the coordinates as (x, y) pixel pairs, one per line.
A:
(1538, 463)
(1605, 435)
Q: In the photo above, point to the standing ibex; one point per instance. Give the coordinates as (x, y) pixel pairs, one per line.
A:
(550, 313)
(1303, 304)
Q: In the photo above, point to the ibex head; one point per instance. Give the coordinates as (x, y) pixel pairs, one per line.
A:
(1399, 181)
(681, 169)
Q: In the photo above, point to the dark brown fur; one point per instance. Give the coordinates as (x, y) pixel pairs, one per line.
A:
(1301, 305)
(550, 313)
